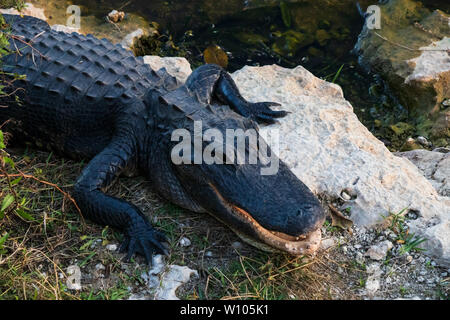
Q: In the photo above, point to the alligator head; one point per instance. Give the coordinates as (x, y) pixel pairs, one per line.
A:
(262, 201)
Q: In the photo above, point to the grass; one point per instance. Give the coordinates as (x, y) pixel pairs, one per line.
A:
(397, 223)
(35, 253)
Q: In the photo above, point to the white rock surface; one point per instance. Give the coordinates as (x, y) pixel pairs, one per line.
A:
(111, 247)
(380, 250)
(129, 39)
(326, 146)
(73, 281)
(29, 10)
(163, 280)
(432, 62)
(373, 280)
(175, 277)
(327, 243)
(175, 66)
(435, 166)
(63, 28)
(157, 264)
(185, 242)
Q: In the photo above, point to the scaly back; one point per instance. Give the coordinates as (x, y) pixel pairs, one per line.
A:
(73, 69)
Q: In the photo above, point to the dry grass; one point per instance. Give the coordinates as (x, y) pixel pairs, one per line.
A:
(38, 252)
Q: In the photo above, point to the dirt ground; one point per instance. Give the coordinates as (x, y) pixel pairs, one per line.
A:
(40, 245)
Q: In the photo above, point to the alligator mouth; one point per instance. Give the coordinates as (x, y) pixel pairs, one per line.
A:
(301, 245)
(268, 240)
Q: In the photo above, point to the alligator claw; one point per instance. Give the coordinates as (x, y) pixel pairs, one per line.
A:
(261, 112)
(144, 242)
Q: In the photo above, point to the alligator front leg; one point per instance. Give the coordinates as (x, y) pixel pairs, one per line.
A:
(140, 236)
(211, 81)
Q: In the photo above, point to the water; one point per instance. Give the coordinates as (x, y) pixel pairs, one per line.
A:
(318, 35)
(249, 36)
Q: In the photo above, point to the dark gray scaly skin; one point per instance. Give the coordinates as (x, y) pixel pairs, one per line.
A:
(86, 98)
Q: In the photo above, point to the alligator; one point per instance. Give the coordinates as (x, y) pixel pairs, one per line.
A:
(86, 98)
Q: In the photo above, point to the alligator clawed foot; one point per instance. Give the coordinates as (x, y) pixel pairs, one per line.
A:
(261, 112)
(145, 243)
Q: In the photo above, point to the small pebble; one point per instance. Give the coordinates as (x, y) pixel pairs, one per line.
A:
(111, 247)
(374, 268)
(73, 281)
(422, 140)
(99, 266)
(359, 258)
(95, 243)
(372, 284)
(185, 242)
(236, 245)
(379, 251)
(345, 196)
(208, 254)
(116, 16)
(327, 243)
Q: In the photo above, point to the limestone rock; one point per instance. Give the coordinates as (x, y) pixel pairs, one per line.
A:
(116, 16)
(176, 66)
(63, 28)
(326, 146)
(29, 10)
(435, 166)
(327, 243)
(73, 281)
(163, 280)
(379, 251)
(410, 52)
(175, 277)
(373, 280)
(111, 247)
(185, 242)
(130, 38)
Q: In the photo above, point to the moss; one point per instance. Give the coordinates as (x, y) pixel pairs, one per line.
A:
(401, 128)
(324, 24)
(441, 127)
(314, 52)
(410, 144)
(322, 37)
(291, 42)
(250, 38)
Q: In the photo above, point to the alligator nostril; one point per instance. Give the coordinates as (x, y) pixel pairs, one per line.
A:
(299, 212)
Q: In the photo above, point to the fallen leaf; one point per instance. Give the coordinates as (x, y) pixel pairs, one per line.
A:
(339, 220)
(215, 54)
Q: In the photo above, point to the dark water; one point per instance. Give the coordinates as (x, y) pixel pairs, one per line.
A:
(250, 33)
